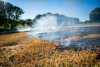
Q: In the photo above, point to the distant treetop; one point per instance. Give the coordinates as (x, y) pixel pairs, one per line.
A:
(95, 15)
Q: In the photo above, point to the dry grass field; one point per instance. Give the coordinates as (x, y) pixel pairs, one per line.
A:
(17, 50)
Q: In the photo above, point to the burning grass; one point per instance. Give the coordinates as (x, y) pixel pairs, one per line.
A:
(40, 53)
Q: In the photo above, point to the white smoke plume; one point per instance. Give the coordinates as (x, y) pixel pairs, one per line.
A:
(52, 23)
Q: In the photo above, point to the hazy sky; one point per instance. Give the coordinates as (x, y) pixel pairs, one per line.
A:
(71, 8)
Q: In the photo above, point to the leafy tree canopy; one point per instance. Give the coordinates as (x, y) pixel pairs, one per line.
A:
(9, 11)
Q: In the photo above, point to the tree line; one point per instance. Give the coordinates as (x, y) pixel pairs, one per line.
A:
(10, 17)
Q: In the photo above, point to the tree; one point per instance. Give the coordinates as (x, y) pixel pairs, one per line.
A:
(95, 15)
(9, 14)
(29, 22)
(17, 12)
(9, 11)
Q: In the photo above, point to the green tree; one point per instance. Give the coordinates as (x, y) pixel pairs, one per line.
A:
(9, 15)
(29, 22)
(9, 11)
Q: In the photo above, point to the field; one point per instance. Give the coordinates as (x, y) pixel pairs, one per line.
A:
(17, 50)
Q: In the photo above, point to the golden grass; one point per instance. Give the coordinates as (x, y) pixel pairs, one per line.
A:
(40, 53)
(13, 38)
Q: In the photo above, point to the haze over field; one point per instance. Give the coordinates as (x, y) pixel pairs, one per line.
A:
(71, 8)
(49, 33)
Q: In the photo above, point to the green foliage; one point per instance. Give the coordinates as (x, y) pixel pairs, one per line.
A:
(9, 16)
(9, 11)
(29, 22)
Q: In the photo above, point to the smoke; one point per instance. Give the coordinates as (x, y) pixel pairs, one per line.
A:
(49, 22)
(46, 23)
(59, 28)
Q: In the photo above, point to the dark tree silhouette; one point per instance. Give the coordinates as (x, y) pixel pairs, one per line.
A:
(38, 16)
(9, 15)
(29, 22)
(9, 11)
(95, 15)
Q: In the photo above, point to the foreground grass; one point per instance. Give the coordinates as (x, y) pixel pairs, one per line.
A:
(40, 53)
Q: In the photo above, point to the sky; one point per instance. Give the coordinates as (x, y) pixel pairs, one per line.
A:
(72, 8)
